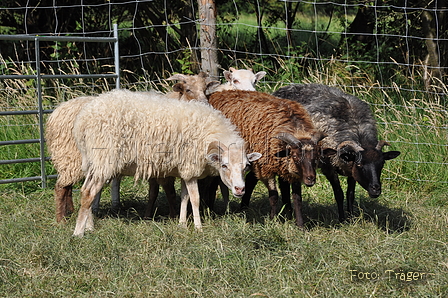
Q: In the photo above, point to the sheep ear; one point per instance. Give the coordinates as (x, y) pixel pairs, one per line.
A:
(177, 76)
(259, 75)
(214, 158)
(212, 85)
(228, 75)
(254, 156)
(178, 87)
(214, 151)
(391, 155)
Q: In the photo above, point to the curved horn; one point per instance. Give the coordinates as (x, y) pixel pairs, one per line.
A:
(288, 139)
(203, 74)
(178, 76)
(380, 145)
(352, 145)
(232, 69)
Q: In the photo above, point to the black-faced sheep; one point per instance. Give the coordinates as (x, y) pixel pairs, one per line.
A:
(66, 157)
(153, 136)
(282, 131)
(351, 147)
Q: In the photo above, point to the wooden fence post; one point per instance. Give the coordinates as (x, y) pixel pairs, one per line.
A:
(209, 56)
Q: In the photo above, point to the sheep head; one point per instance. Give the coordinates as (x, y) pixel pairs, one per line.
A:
(365, 164)
(303, 153)
(232, 163)
(192, 87)
(243, 79)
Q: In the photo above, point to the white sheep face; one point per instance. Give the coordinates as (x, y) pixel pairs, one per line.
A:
(232, 163)
(243, 79)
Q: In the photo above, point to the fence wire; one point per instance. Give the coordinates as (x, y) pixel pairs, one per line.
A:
(393, 55)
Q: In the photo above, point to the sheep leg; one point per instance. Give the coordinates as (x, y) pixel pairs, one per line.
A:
(115, 193)
(183, 204)
(153, 193)
(85, 217)
(63, 200)
(273, 195)
(211, 193)
(96, 202)
(351, 183)
(297, 198)
(285, 191)
(193, 193)
(225, 194)
(338, 193)
(251, 182)
(170, 192)
(207, 191)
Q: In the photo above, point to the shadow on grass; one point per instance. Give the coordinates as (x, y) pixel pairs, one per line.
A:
(390, 220)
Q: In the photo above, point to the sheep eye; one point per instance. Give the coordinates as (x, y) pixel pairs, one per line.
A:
(236, 82)
(359, 165)
(224, 167)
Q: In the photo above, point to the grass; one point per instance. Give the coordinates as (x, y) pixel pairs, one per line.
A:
(391, 238)
(237, 255)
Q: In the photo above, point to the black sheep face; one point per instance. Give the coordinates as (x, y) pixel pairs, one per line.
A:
(367, 166)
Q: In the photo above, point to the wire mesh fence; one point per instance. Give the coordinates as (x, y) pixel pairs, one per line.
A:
(392, 55)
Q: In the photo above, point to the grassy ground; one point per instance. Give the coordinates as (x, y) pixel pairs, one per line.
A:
(395, 246)
(399, 241)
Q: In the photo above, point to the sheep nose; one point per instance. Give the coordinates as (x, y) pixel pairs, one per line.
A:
(375, 190)
(239, 190)
(310, 180)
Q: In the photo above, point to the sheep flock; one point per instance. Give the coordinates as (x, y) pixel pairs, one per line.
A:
(207, 133)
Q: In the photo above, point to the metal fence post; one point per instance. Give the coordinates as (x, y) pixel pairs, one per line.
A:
(117, 58)
(41, 114)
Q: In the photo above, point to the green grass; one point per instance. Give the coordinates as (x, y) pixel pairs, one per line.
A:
(236, 255)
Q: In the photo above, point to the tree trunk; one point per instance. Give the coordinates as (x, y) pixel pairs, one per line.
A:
(209, 56)
(431, 24)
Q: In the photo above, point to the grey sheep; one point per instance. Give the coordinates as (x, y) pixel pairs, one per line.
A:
(351, 147)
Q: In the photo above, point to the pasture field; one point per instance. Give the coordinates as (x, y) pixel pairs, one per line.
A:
(395, 246)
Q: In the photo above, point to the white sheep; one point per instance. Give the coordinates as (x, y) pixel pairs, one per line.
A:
(152, 136)
(240, 79)
(66, 157)
(237, 79)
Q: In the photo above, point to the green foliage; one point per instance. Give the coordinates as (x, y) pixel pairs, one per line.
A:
(186, 62)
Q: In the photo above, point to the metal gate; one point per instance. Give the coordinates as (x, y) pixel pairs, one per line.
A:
(40, 111)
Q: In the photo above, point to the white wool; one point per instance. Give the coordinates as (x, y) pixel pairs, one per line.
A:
(65, 156)
(148, 135)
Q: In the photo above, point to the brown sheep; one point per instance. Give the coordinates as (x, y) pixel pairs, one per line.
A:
(282, 131)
